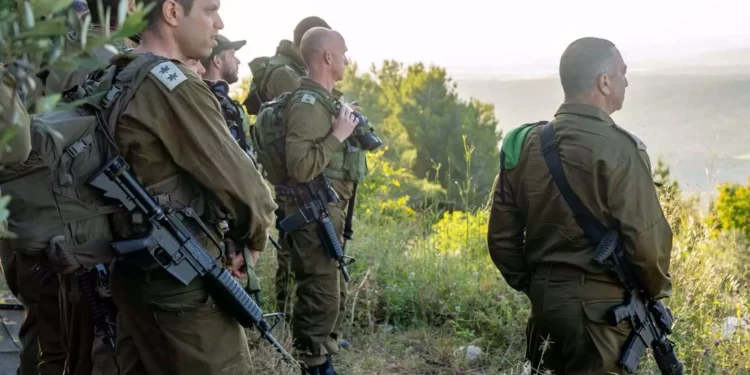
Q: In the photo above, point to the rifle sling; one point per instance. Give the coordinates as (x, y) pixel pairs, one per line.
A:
(593, 229)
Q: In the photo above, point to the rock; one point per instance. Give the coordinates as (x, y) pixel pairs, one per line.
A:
(473, 352)
(732, 324)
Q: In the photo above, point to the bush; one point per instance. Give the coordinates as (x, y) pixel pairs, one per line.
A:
(732, 208)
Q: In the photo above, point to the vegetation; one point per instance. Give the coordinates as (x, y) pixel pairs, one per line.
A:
(33, 40)
(424, 287)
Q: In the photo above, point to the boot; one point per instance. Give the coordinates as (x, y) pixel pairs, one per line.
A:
(324, 369)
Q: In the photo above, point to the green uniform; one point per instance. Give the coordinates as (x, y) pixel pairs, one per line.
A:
(540, 250)
(68, 331)
(311, 149)
(173, 136)
(284, 78)
(280, 80)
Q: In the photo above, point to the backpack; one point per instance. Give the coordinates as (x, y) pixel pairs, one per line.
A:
(261, 68)
(267, 136)
(55, 213)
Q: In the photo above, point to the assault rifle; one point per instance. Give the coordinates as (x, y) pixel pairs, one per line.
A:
(651, 320)
(174, 248)
(315, 208)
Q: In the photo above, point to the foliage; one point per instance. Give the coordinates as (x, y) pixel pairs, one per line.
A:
(33, 39)
(732, 207)
(430, 130)
(423, 286)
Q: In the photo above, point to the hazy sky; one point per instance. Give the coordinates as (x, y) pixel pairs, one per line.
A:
(501, 35)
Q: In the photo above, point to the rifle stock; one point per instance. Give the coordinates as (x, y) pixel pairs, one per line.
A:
(176, 250)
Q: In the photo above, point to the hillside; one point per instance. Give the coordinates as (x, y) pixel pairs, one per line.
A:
(697, 122)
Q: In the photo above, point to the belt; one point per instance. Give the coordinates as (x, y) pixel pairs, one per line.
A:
(545, 270)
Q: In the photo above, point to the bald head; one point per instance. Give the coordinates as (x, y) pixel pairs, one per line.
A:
(583, 62)
(593, 69)
(316, 42)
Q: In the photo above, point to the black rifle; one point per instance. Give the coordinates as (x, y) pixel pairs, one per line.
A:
(316, 209)
(173, 247)
(651, 320)
(95, 286)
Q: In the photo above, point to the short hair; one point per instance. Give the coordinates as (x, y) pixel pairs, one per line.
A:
(153, 17)
(315, 41)
(307, 24)
(582, 62)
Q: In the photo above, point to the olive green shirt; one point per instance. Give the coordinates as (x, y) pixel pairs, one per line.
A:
(310, 142)
(610, 171)
(286, 78)
(179, 130)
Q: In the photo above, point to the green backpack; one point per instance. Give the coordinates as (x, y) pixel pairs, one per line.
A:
(261, 68)
(55, 213)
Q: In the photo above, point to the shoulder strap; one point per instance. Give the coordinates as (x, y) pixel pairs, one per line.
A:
(593, 229)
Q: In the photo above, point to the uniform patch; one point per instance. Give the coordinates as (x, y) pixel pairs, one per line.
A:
(169, 74)
(308, 98)
(638, 142)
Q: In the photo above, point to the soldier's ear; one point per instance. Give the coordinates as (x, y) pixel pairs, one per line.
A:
(171, 12)
(603, 84)
(216, 61)
(328, 57)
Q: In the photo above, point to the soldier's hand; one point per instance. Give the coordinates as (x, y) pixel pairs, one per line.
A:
(236, 265)
(254, 254)
(344, 125)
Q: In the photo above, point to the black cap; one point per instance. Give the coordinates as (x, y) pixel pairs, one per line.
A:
(223, 44)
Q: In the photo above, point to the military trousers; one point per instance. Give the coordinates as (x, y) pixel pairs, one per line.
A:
(567, 331)
(320, 297)
(36, 287)
(166, 327)
(285, 281)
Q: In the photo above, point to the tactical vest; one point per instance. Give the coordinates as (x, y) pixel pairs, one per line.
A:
(55, 212)
(347, 163)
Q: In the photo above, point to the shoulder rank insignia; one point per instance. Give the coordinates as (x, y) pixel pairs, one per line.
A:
(308, 98)
(638, 142)
(169, 74)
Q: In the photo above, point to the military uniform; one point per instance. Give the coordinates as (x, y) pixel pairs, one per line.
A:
(287, 68)
(40, 333)
(283, 77)
(540, 250)
(175, 141)
(238, 126)
(311, 150)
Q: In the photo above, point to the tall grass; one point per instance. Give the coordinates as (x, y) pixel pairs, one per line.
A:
(424, 286)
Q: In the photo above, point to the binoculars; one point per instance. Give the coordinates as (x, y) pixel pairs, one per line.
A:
(363, 135)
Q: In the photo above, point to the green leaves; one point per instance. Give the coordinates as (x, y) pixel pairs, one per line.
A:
(47, 7)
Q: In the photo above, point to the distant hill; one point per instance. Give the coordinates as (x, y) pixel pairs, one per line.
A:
(698, 121)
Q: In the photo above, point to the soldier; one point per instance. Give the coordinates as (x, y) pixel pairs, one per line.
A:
(535, 240)
(60, 80)
(289, 62)
(175, 141)
(51, 344)
(314, 146)
(221, 70)
(282, 75)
